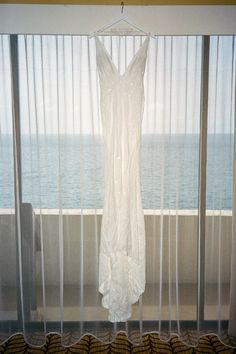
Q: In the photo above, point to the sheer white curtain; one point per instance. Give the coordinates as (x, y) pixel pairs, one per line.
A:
(219, 232)
(49, 267)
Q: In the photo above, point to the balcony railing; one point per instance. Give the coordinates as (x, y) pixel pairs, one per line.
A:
(187, 265)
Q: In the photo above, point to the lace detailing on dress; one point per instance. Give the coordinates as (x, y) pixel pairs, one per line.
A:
(122, 246)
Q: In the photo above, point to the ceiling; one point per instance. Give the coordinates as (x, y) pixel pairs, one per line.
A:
(118, 2)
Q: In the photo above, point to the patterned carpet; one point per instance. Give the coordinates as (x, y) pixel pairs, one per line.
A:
(151, 344)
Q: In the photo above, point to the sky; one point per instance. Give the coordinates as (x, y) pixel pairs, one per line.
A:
(59, 84)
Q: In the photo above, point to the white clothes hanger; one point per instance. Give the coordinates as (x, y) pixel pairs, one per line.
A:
(132, 30)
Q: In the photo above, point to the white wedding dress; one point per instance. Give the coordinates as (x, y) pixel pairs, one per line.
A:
(122, 245)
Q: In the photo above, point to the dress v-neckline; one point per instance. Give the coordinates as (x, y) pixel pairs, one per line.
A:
(131, 61)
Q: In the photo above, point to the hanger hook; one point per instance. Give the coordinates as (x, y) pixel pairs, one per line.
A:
(122, 6)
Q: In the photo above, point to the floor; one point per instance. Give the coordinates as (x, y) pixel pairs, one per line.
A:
(74, 298)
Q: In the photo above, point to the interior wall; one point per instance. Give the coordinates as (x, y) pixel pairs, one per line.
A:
(85, 19)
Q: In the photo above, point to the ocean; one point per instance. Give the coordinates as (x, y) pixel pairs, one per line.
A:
(169, 171)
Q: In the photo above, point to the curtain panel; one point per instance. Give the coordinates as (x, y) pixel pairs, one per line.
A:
(52, 187)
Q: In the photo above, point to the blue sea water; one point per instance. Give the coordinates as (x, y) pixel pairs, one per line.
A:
(68, 172)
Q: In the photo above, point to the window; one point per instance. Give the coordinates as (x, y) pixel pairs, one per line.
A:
(55, 178)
